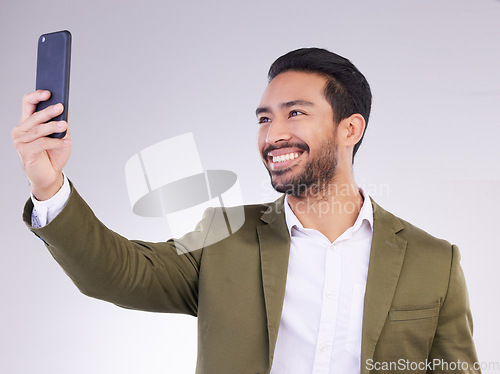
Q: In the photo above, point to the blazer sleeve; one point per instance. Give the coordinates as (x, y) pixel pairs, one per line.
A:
(159, 277)
(453, 347)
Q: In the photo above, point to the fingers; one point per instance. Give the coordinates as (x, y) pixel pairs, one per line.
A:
(29, 151)
(41, 117)
(20, 135)
(29, 118)
(30, 100)
(35, 126)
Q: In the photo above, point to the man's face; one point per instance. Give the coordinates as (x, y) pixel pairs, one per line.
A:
(297, 133)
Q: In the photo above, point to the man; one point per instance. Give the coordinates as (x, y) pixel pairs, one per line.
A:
(322, 280)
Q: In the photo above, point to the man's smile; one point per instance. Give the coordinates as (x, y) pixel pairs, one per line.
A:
(283, 158)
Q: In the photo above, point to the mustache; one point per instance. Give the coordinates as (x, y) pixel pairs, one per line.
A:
(273, 147)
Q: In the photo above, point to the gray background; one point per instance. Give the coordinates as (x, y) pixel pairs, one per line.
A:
(146, 71)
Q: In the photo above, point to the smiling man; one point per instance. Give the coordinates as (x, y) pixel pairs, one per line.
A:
(309, 155)
(323, 280)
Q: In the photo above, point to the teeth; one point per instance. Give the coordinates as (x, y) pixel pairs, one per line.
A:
(288, 156)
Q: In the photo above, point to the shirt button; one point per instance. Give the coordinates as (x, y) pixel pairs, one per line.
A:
(329, 294)
(323, 348)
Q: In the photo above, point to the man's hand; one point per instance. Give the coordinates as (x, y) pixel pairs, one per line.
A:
(43, 158)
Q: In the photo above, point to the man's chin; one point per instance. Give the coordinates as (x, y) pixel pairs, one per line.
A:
(289, 187)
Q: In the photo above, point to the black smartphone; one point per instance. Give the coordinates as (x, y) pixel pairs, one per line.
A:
(52, 72)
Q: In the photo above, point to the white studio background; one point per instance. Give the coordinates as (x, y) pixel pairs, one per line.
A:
(146, 71)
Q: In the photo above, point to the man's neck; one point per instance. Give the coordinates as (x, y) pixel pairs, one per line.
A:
(331, 210)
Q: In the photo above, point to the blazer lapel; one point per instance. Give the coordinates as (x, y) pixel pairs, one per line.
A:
(274, 242)
(386, 259)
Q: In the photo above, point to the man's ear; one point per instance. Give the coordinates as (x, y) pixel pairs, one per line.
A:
(351, 129)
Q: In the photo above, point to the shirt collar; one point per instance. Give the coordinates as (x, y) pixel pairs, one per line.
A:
(366, 213)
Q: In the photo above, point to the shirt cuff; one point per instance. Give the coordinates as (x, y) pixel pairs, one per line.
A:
(45, 211)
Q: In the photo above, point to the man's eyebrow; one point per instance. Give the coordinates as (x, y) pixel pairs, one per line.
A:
(287, 104)
(262, 109)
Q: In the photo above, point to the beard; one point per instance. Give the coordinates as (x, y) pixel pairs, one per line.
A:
(315, 176)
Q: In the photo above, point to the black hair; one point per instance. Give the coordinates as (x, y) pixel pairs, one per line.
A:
(347, 89)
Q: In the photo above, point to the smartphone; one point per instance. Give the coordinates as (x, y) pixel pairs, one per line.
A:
(52, 72)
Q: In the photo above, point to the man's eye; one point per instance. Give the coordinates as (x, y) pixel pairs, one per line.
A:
(264, 120)
(295, 113)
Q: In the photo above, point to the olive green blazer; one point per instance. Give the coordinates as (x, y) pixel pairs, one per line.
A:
(416, 305)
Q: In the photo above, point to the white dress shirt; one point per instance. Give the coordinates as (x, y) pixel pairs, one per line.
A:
(321, 321)
(46, 210)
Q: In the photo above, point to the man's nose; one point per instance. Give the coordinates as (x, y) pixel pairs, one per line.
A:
(277, 131)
